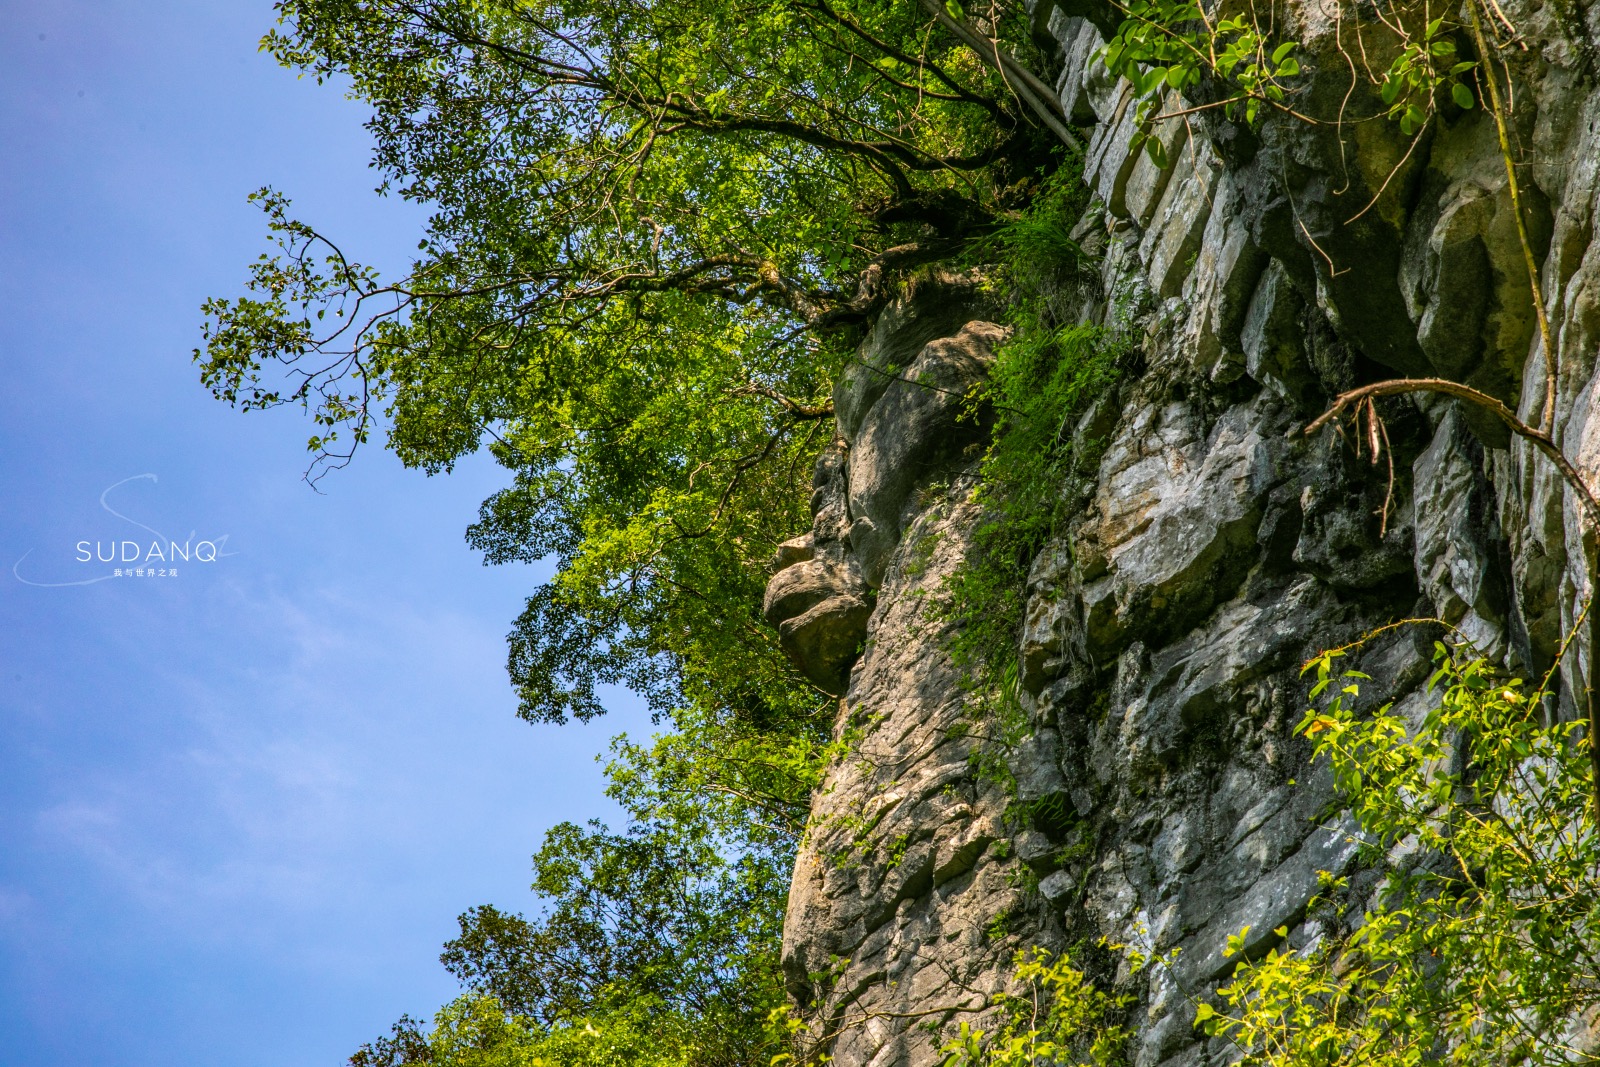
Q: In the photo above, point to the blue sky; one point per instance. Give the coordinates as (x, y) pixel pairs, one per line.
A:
(241, 806)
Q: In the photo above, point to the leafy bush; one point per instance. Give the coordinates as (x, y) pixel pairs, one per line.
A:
(1058, 1017)
(1481, 945)
(1043, 379)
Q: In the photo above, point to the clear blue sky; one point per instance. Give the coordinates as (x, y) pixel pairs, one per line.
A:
(239, 807)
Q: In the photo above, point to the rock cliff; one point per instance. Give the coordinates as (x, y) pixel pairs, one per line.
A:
(1162, 792)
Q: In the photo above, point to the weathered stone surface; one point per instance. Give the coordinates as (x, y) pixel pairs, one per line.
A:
(1227, 268)
(1108, 162)
(1167, 807)
(930, 308)
(919, 426)
(1163, 795)
(1171, 245)
(1463, 275)
(817, 599)
(901, 873)
(821, 617)
(1082, 79)
(1456, 553)
(1147, 180)
(1173, 526)
(1272, 336)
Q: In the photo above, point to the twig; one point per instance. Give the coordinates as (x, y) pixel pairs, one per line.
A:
(1547, 420)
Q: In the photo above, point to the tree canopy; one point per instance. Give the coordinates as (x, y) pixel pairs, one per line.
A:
(656, 231)
(655, 228)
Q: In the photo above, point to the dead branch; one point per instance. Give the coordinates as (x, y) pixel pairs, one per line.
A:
(1538, 438)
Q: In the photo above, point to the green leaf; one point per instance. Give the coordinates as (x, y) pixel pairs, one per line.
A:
(1461, 95)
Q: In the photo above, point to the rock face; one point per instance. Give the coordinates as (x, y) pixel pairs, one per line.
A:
(904, 420)
(1160, 790)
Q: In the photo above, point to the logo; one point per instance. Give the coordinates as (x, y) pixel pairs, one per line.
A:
(148, 555)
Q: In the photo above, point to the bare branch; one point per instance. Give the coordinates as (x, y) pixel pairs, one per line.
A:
(1538, 438)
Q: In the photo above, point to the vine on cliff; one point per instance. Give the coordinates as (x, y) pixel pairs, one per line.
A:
(1046, 377)
(1164, 47)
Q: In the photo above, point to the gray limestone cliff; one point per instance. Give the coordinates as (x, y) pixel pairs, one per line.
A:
(1215, 549)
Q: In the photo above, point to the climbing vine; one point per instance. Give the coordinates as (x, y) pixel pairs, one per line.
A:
(1427, 65)
(1168, 46)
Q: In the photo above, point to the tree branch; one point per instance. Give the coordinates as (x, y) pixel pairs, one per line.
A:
(795, 408)
(1538, 438)
(1039, 98)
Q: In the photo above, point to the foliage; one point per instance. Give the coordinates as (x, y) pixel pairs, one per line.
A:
(1479, 946)
(475, 1031)
(1040, 383)
(663, 937)
(1427, 64)
(656, 230)
(1167, 46)
(657, 945)
(655, 227)
(1042, 380)
(1058, 1017)
(405, 1046)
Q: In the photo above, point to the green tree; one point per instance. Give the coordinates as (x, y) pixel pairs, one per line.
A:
(663, 936)
(656, 229)
(657, 945)
(656, 232)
